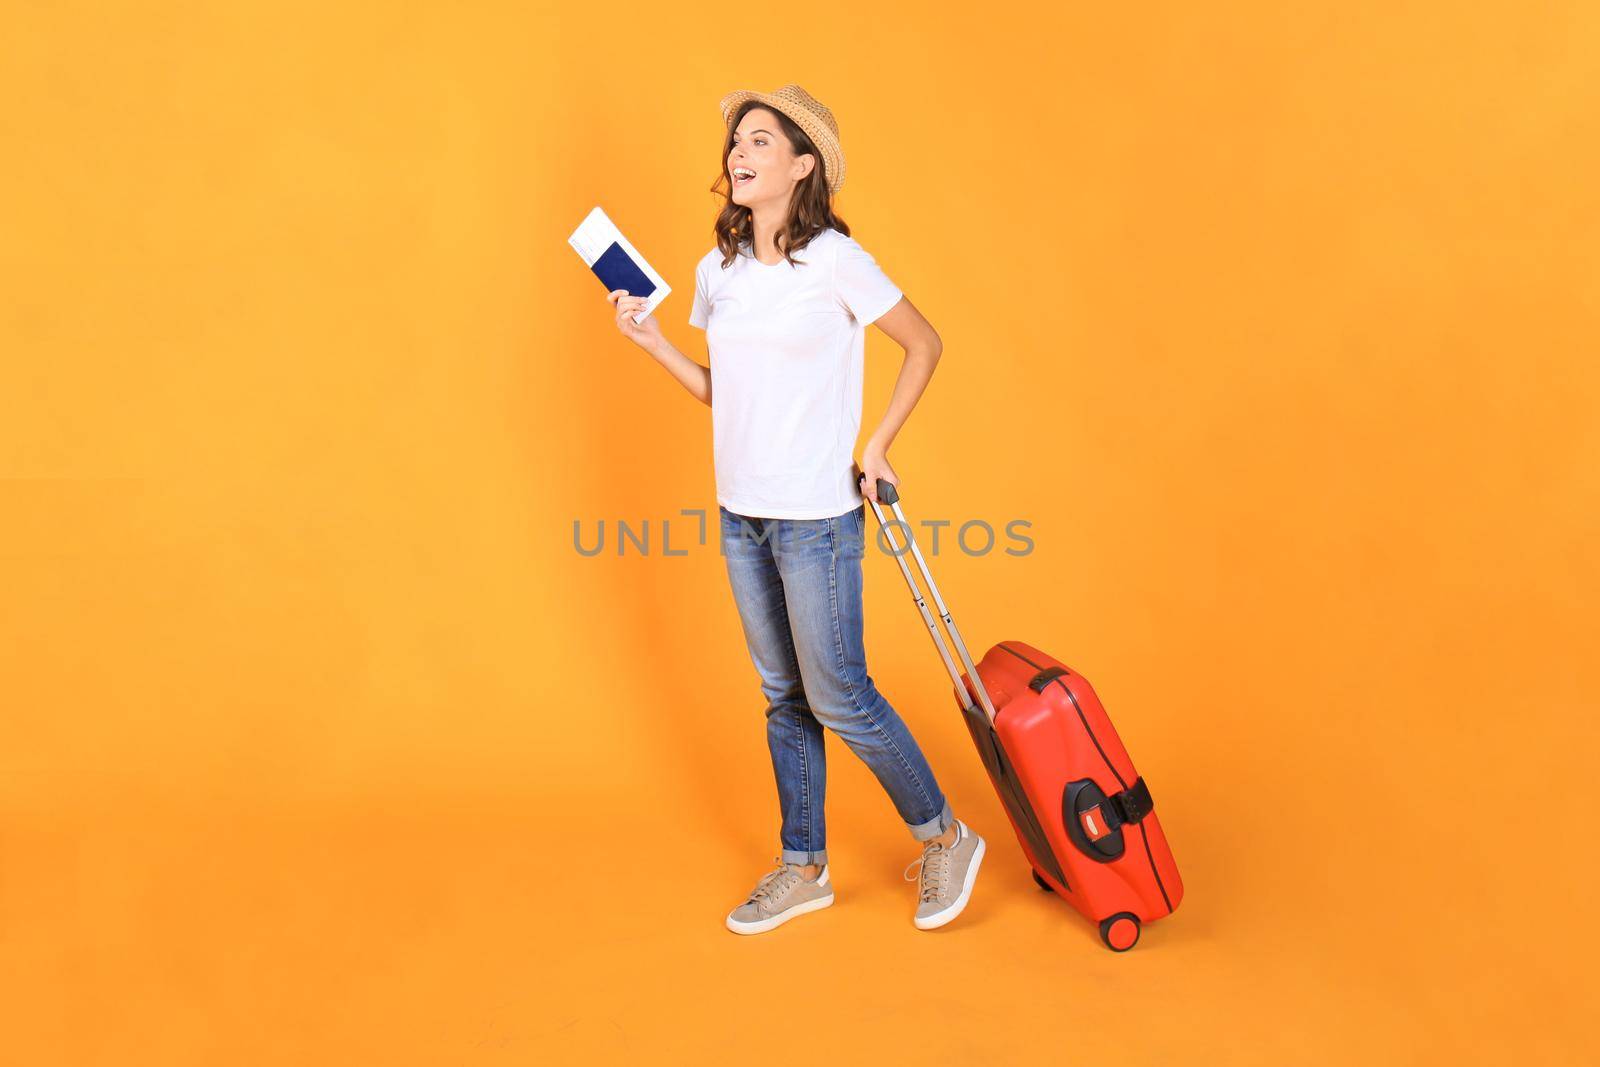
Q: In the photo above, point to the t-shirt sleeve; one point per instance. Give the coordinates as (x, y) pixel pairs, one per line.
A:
(860, 284)
(701, 308)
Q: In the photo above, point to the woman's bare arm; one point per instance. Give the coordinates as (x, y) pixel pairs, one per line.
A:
(906, 326)
(648, 336)
(691, 375)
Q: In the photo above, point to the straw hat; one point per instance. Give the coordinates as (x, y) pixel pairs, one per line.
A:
(808, 114)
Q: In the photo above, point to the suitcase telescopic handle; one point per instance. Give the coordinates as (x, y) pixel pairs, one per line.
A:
(888, 494)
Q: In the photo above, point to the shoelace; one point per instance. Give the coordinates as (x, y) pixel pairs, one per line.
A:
(774, 884)
(935, 864)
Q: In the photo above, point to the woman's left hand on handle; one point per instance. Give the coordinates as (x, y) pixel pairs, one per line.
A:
(875, 465)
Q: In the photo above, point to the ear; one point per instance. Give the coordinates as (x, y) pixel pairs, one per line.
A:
(808, 163)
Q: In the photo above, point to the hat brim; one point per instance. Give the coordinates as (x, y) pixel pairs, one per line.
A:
(731, 102)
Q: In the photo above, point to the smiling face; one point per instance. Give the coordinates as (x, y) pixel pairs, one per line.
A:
(762, 165)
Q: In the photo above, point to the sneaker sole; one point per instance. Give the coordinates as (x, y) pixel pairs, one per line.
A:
(939, 918)
(763, 925)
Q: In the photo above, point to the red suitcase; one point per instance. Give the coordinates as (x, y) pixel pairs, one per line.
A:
(1083, 815)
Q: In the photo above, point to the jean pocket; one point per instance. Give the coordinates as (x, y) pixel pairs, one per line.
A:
(853, 538)
(746, 536)
(808, 537)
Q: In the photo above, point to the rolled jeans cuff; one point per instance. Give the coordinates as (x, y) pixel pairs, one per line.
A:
(818, 857)
(934, 827)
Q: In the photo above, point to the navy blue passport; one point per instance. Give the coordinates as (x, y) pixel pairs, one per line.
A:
(618, 271)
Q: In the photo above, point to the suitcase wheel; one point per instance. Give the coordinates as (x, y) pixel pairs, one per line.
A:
(1038, 880)
(1120, 932)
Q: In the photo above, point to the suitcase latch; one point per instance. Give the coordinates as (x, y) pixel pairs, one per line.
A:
(1133, 803)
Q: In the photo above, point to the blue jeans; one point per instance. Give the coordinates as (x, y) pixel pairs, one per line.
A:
(797, 583)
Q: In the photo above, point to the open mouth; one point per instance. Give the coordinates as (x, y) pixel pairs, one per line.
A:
(743, 175)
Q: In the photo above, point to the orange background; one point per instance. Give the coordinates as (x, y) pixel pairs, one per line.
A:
(322, 744)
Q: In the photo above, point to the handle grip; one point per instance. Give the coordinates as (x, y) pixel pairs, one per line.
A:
(887, 494)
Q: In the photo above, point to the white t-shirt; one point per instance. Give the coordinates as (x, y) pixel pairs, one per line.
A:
(787, 350)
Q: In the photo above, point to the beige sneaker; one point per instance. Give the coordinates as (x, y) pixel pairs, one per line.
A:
(946, 879)
(780, 896)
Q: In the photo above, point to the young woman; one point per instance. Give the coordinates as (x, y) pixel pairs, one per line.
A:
(785, 299)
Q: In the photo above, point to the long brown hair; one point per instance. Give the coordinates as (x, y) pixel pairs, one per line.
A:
(810, 208)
